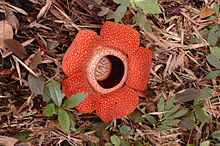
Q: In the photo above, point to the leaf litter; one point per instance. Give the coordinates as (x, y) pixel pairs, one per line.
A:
(44, 32)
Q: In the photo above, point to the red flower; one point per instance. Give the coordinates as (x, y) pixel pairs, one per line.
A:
(110, 68)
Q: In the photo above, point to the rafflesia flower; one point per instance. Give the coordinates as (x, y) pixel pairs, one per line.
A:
(110, 68)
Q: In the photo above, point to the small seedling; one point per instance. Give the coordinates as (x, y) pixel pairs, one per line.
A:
(52, 95)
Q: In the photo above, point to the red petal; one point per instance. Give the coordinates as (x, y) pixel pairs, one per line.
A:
(117, 104)
(119, 36)
(77, 83)
(79, 51)
(139, 65)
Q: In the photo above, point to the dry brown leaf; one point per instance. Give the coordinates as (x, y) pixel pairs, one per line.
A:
(7, 141)
(11, 18)
(104, 11)
(16, 47)
(14, 8)
(6, 31)
(206, 12)
(45, 9)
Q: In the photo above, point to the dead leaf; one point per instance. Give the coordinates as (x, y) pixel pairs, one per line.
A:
(110, 15)
(11, 18)
(104, 11)
(205, 12)
(186, 95)
(15, 8)
(35, 61)
(7, 141)
(6, 31)
(16, 47)
(45, 9)
(36, 84)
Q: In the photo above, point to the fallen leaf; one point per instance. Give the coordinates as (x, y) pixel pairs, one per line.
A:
(16, 47)
(205, 12)
(6, 31)
(7, 141)
(187, 95)
(35, 61)
(36, 84)
(11, 18)
(104, 11)
(45, 9)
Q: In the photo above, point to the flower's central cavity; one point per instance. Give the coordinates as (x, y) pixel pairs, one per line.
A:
(107, 70)
(103, 69)
(113, 71)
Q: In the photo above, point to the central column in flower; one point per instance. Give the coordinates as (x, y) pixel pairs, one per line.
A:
(107, 70)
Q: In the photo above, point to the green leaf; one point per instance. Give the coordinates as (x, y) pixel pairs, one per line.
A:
(126, 130)
(177, 114)
(89, 143)
(212, 75)
(22, 136)
(172, 111)
(97, 1)
(55, 93)
(215, 51)
(74, 100)
(164, 127)
(205, 32)
(46, 94)
(160, 106)
(151, 119)
(136, 116)
(64, 120)
(186, 95)
(99, 127)
(148, 5)
(140, 18)
(49, 110)
(216, 134)
(169, 103)
(124, 2)
(124, 143)
(72, 121)
(115, 140)
(137, 143)
(119, 13)
(206, 93)
(216, 8)
(200, 114)
(170, 122)
(213, 35)
(213, 60)
(205, 143)
(36, 84)
(148, 27)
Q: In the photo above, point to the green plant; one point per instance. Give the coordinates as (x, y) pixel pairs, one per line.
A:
(214, 60)
(140, 6)
(52, 95)
(168, 114)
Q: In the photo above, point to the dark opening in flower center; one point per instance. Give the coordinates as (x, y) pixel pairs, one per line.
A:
(109, 71)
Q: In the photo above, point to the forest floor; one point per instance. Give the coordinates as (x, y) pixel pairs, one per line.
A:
(184, 41)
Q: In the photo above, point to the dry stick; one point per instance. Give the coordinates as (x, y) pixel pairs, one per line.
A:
(68, 18)
(28, 68)
(27, 102)
(71, 11)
